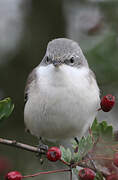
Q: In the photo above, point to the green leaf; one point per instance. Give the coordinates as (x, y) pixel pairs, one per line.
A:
(74, 143)
(94, 125)
(66, 154)
(98, 176)
(106, 131)
(102, 129)
(6, 108)
(85, 145)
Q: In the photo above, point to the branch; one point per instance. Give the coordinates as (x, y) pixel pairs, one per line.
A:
(47, 172)
(34, 149)
(19, 145)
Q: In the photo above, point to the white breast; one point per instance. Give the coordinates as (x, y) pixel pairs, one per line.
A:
(63, 103)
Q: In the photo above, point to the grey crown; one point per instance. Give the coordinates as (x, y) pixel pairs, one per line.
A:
(63, 50)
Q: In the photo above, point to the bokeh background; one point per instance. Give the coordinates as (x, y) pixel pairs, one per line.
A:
(25, 29)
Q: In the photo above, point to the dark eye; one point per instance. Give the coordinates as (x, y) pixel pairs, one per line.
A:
(47, 60)
(72, 61)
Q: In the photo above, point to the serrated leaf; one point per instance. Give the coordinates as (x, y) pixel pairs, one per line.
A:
(101, 129)
(74, 143)
(94, 125)
(66, 154)
(6, 108)
(106, 131)
(95, 129)
(69, 154)
(85, 145)
(98, 176)
(109, 132)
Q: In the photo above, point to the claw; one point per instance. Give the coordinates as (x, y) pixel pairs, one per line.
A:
(43, 147)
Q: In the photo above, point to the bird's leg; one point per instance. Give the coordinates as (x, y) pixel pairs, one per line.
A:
(42, 145)
(42, 150)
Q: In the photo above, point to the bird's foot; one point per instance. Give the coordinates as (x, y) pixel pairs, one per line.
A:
(43, 147)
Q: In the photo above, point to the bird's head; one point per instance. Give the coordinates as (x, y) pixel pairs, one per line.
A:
(64, 51)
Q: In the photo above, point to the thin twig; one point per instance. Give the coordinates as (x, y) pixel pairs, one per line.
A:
(80, 163)
(47, 172)
(64, 162)
(34, 149)
(19, 145)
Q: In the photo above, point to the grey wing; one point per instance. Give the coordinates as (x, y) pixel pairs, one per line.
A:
(30, 79)
(93, 74)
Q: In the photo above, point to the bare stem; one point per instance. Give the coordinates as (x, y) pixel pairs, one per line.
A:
(64, 162)
(47, 172)
(34, 149)
(19, 145)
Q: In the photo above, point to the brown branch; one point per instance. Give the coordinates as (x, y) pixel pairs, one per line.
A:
(80, 163)
(19, 145)
(47, 172)
(64, 162)
(34, 149)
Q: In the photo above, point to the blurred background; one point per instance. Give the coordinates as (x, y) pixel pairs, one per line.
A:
(25, 29)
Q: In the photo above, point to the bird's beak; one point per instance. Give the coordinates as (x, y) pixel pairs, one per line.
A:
(56, 63)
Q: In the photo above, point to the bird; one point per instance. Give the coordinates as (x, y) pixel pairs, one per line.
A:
(61, 94)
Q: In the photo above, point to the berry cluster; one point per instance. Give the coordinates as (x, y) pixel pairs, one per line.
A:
(54, 154)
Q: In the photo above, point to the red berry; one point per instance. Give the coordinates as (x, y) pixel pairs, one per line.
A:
(13, 175)
(115, 159)
(107, 102)
(112, 177)
(86, 174)
(54, 154)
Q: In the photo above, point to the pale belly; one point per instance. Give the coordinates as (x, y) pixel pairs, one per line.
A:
(62, 112)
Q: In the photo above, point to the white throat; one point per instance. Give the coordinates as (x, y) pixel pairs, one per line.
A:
(61, 76)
